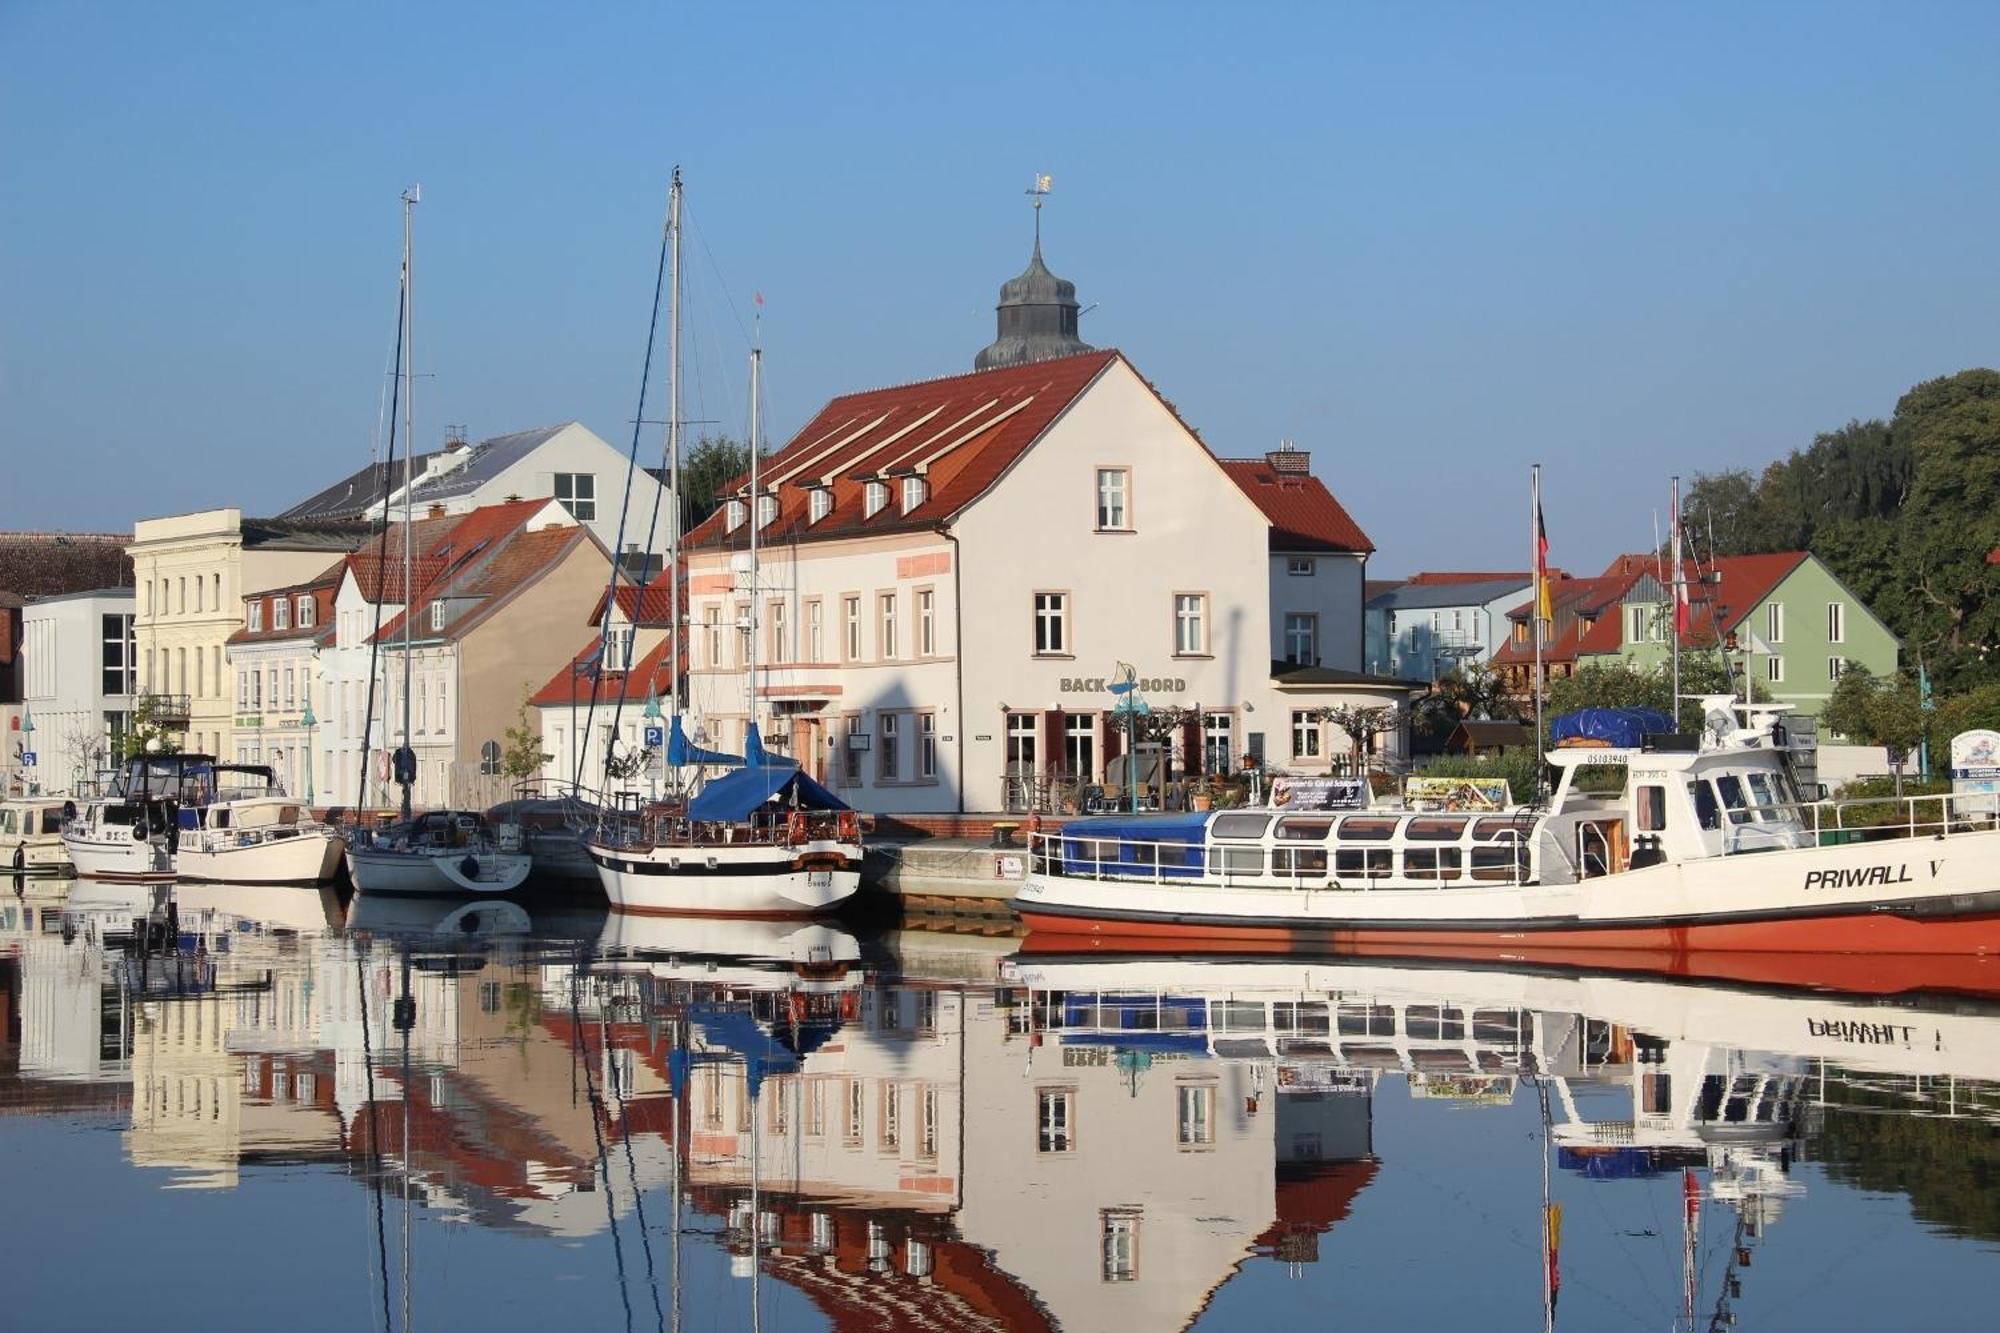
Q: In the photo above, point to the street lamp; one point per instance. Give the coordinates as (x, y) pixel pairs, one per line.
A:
(308, 721)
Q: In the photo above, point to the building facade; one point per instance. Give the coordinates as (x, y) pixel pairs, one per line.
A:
(1425, 628)
(79, 658)
(193, 572)
(274, 656)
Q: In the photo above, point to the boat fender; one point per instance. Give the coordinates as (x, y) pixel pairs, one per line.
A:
(69, 811)
(850, 825)
(469, 867)
(795, 828)
(139, 830)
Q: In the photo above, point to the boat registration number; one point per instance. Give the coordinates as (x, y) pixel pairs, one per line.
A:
(819, 879)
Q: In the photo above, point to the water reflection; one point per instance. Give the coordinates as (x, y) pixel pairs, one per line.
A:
(926, 1132)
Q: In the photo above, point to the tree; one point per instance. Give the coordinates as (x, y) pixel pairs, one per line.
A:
(1363, 723)
(706, 471)
(523, 758)
(147, 735)
(1619, 683)
(1472, 691)
(83, 748)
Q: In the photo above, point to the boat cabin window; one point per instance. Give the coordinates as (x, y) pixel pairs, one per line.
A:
(1500, 863)
(1440, 863)
(1730, 788)
(1298, 828)
(1435, 830)
(1706, 812)
(1142, 853)
(1495, 828)
(1429, 1022)
(1238, 1015)
(1373, 862)
(1236, 860)
(1651, 804)
(1239, 826)
(1367, 1020)
(1373, 828)
(1306, 1018)
(1090, 849)
(1298, 860)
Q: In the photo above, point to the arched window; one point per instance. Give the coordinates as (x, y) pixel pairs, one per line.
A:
(489, 759)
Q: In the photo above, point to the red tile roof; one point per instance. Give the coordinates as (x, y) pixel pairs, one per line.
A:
(649, 678)
(960, 433)
(516, 560)
(439, 547)
(322, 589)
(1448, 576)
(1304, 515)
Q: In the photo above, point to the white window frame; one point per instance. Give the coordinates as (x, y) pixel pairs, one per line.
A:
(1635, 623)
(254, 620)
(1834, 667)
(1113, 499)
(774, 616)
(576, 492)
(437, 616)
(305, 611)
(1190, 612)
(1774, 669)
(821, 503)
(874, 498)
(1295, 621)
(281, 611)
(888, 755)
(733, 515)
(927, 748)
(1051, 623)
(850, 628)
(767, 510)
(1774, 622)
(1055, 1121)
(926, 623)
(915, 492)
(815, 630)
(1301, 566)
(1836, 622)
(1306, 743)
(885, 626)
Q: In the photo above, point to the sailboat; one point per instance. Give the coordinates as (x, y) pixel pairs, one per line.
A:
(440, 851)
(762, 838)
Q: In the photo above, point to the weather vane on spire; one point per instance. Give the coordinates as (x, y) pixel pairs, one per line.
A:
(1043, 184)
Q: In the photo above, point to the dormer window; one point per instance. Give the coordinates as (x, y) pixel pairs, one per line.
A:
(875, 498)
(767, 510)
(437, 616)
(821, 502)
(737, 511)
(914, 490)
(281, 613)
(256, 618)
(306, 612)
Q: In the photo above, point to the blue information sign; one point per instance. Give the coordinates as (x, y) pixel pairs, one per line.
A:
(655, 737)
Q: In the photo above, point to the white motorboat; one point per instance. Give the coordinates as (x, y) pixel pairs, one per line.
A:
(443, 852)
(31, 841)
(254, 834)
(1650, 841)
(130, 833)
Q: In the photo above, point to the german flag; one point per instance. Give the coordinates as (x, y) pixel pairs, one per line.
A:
(1543, 604)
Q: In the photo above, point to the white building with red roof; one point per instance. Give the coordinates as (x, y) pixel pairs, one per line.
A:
(953, 572)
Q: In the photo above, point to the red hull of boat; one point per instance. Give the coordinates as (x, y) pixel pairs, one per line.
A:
(1863, 954)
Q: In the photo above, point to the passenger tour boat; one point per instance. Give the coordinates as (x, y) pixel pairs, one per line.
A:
(1650, 841)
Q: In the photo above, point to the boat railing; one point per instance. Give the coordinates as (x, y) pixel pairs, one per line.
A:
(1855, 818)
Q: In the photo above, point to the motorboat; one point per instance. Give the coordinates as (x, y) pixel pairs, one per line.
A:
(1651, 841)
(31, 841)
(447, 852)
(252, 833)
(131, 833)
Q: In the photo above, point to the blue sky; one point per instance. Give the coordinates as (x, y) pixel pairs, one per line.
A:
(1432, 244)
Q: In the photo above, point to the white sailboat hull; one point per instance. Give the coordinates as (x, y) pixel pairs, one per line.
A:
(443, 872)
(310, 856)
(739, 879)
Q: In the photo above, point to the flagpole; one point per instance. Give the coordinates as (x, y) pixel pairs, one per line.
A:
(1538, 563)
(1680, 593)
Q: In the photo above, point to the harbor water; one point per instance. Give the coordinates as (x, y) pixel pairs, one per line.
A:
(227, 1107)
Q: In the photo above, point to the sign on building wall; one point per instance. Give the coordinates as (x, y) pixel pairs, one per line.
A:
(1975, 772)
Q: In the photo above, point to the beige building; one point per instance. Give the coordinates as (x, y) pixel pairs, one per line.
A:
(192, 572)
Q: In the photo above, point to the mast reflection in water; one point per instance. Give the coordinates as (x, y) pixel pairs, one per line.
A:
(344, 1114)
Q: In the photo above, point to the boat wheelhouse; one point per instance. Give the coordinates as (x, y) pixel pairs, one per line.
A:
(132, 832)
(243, 829)
(31, 841)
(1649, 840)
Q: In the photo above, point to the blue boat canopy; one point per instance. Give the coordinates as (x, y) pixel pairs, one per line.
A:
(1187, 828)
(681, 751)
(734, 797)
(1625, 728)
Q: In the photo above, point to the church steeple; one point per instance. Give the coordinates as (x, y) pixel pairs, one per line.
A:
(1037, 310)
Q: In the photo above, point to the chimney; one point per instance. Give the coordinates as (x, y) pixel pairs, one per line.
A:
(437, 506)
(1288, 461)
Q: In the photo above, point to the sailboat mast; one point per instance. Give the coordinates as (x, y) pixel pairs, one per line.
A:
(1674, 545)
(756, 519)
(406, 756)
(674, 457)
(1540, 567)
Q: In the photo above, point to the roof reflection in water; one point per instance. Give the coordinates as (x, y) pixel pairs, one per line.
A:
(1075, 1142)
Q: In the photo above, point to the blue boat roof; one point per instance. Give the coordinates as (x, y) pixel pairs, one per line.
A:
(1190, 826)
(735, 796)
